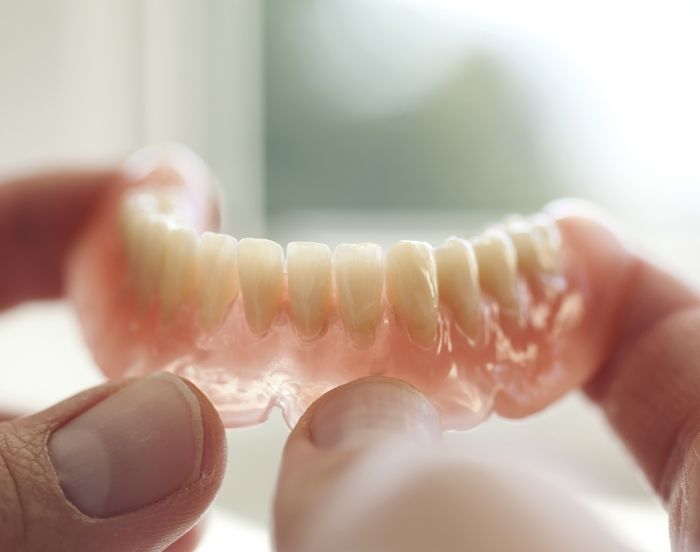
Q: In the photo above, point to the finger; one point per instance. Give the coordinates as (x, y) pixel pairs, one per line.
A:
(124, 466)
(315, 459)
(188, 541)
(5, 416)
(648, 384)
(40, 217)
(363, 471)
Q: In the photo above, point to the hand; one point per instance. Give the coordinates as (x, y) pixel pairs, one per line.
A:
(363, 470)
(129, 465)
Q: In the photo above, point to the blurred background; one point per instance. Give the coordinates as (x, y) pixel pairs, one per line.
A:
(341, 120)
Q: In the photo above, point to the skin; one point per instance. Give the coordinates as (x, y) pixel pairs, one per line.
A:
(372, 476)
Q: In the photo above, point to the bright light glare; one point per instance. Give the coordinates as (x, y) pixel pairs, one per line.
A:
(615, 84)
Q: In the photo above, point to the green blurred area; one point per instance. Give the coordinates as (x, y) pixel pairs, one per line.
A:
(470, 142)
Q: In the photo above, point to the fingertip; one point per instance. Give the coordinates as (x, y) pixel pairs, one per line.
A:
(148, 440)
(365, 410)
(335, 443)
(373, 409)
(576, 206)
(591, 224)
(359, 414)
(642, 321)
(129, 464)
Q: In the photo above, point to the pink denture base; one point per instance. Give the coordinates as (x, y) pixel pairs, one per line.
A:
(520, 361)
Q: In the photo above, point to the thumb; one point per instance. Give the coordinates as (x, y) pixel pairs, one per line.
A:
(128, 465)
(346, 464)
(364, 470)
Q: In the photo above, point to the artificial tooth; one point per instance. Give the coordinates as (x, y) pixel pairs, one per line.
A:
(309, 283)
(359, 274)
(411, 285)
(458, 283)
(179, 272)
(528, 245)
(261, 273)
(545, 227)
(134, 223)
(535, 244)
(218, 277)
(497, 261)
(142, 201)
(149, 259)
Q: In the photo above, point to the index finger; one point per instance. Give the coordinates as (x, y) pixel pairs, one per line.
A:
(647, 380)
(40, 217)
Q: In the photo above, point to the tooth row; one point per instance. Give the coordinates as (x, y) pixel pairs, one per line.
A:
(170, 260)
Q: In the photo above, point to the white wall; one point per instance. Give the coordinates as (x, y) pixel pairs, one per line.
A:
(87, 79)
(68, 79)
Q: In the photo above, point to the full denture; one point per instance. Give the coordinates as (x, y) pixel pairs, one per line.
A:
(157, 289)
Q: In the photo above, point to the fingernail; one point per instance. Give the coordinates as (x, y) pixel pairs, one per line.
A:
(373, 409)
(132, 449)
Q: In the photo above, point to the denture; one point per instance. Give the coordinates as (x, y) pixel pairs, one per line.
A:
(489, 322)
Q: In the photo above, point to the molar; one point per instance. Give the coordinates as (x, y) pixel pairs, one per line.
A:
(411, 284)
(535, 243)
(149, 259)
(458, 283)
(156, 202)
(545, 227)
(142, 201)
(134, 222)
(179, 272)
(310, 286)
(359, 274)
(261, 276)
(497, 261)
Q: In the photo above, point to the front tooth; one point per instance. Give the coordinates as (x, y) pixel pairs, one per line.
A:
(359, 274)
(497, 262)
(458, 282)
(150, 256)
(309, 285)
(218, 277)
(178, 276)
(261, 274)
(411, 285)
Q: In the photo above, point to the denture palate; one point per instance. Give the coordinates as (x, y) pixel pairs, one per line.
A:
(168, 260)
